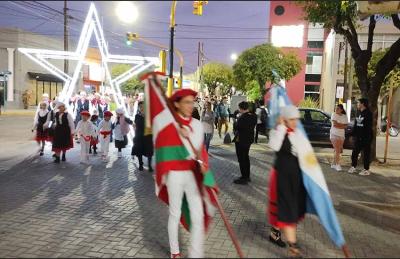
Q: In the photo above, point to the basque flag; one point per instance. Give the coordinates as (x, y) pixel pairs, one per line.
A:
(319, 201)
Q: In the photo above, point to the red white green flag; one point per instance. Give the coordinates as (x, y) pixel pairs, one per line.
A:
(173, 152)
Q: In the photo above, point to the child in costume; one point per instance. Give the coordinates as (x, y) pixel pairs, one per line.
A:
(121, 130)
(41, 130)
(85, 130)
(105, 130)
(64, 129)
(95, 140)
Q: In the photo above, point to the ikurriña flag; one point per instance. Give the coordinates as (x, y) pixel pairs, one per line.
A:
(172, 151)
(319, 201)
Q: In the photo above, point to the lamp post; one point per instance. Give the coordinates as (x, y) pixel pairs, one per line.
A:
(171, 50)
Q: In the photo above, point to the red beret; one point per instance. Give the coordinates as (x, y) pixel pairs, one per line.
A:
(85, 113)
(179, 94)
(108, 113)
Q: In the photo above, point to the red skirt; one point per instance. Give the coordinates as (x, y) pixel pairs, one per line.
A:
(41, 135)
(273, 203)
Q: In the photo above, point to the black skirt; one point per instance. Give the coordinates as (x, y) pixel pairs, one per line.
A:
(121, 143)
(291, 193)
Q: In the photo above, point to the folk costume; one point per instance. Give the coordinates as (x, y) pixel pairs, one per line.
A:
(121, 130)
(105, 130)
(95, 140)
(63, 133)
(85, 131)
(41, 130)
(142, 143)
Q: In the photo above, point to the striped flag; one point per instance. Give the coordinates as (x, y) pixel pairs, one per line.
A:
(319, 201)
(173, 152)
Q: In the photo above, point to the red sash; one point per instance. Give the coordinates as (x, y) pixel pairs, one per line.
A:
(105, 133)
(86, 138)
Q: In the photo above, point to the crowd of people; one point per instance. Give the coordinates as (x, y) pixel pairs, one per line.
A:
(93, 123)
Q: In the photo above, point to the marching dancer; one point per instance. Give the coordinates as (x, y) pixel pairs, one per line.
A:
(95, 140)
(287, 201)
(85, 130)
(182, 182)
(142, 143)
(41, 130)
(121, 130)
(105, 131)
(63, 132)
(82, 104)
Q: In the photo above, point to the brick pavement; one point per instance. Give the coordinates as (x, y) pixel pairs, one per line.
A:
(110, 210)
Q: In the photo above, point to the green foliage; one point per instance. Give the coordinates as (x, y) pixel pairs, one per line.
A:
(257, 63)
(309, 102)
(392, 78)
(217, 74)
(253, 91)
(132, 85)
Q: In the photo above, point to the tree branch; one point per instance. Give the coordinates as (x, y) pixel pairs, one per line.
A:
(396, 21)
(351, 26)
(371, 28)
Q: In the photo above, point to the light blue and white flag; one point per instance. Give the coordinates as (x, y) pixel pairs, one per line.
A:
(319, 201)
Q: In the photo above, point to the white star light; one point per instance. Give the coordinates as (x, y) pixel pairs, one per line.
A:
(92, 24)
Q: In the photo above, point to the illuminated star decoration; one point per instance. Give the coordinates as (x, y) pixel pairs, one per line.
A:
(92, 24)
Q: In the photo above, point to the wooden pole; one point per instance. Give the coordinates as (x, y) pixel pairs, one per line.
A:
(220, 209)
(346, 251)
(389, 121)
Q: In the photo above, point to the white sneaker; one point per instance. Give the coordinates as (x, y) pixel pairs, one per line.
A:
(352, 170)
(338, 168)
(333, 166)
(119, 154)
(364, 172)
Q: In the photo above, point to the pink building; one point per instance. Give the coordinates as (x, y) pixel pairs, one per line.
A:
(291, 32)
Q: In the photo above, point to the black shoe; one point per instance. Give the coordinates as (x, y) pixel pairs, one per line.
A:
(151, 169)
(54, 155)
(41, 153)
(57, 160)
(94, 152)
(275, 238)
(90, 151)
(63, 158)
(242, 181)
(140, 167)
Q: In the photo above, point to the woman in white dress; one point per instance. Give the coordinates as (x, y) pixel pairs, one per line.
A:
(337, 134)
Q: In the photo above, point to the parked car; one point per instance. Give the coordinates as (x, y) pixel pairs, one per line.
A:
(317, 124)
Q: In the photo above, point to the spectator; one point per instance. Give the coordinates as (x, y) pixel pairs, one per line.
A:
(337, 134)
(262, 117)
(223, 114)
(244, 137)
(362, 134)
(207, 119)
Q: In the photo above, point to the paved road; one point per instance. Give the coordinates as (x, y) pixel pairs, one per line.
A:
(110, 210)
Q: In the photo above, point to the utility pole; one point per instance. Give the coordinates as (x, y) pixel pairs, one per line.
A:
(171, 50)
(65, 35)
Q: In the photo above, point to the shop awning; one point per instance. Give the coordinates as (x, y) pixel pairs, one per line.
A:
(44, 77)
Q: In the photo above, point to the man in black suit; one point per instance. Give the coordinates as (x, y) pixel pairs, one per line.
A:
(244, 137)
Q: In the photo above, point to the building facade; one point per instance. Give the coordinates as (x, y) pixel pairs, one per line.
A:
(28, 76)
(290, 32)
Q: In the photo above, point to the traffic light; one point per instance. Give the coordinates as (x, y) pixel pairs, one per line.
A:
(198, 8)
(130, 37)
(163, 61)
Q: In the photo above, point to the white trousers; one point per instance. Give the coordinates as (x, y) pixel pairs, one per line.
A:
(84, 150)
(178, 184)
(104, 144)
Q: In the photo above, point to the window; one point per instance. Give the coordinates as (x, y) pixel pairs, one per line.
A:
(311, 88)
(313, 78)
(313, 63)
(315, 44)
(314, 96)
(279, 10)
(317, 116)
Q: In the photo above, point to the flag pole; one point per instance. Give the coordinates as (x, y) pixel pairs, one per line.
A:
(346, 251)
(220, 209)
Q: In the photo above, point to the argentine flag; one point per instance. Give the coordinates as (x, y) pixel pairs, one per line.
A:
(319, 201)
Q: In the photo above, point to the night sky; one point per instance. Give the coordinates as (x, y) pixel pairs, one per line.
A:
(225, 27)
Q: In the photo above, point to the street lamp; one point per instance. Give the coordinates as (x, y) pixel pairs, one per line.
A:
(234, 56)
(127, 12)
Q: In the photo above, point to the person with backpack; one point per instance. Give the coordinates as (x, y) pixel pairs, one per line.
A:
(262, 117)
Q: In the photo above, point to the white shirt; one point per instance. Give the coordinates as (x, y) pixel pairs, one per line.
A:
(342, 119)
(86, 128)
(104, 126)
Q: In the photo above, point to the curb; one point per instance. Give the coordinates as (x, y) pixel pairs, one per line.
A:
(361, 209)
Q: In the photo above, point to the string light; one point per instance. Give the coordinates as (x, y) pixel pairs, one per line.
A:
(92, 24)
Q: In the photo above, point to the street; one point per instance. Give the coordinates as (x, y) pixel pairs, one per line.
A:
(110, 209)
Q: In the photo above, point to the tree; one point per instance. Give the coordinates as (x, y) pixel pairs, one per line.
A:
(217, 75)
(341, 16)
(130, 86)
(257, 63)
